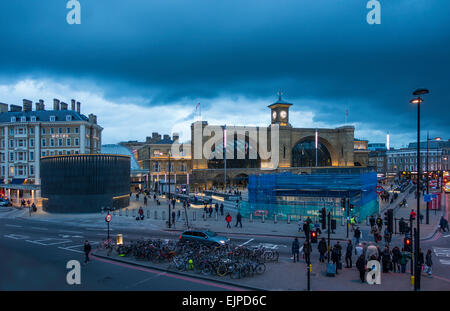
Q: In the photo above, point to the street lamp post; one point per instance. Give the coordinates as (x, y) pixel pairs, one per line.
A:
(418, 270)
(428, 184)
(170, 224)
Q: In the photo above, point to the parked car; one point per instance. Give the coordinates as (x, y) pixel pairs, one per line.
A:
(203, 236)
(5, 202)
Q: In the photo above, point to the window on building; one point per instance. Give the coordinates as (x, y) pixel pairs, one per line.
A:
(60, 142)
(11, 157)
(23, 119)
(77, 142)
(31, 155)
(11, 143)
(52, 118)
(68, 142)
(31, 169)
(13, 119)
(60, 130)
(43, 131)
(68, 118)
(43, 153)
(60, 153)
(3, 171)
(68, 130)
(31, 131)
(44, 142)
(31, 142)
(33, 118)
(52, 130)
(11, 131)
(11, 171)
(77, 130)
(52, 142)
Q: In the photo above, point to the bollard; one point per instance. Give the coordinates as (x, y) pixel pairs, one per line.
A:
(156, 214)
(120, 212)
(182, 216)
(193, 216)
(126, 211)
(288, 219)
(217, 216)
(163, 215)
(275, 219)
(262, 218)
(134, 213)
(251, 217)
(204, 216)
(148, 214)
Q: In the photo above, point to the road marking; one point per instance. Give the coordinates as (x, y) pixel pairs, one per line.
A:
(246, 242)
(444, 262)
(441, 252)
(15, 226)
(52, 241)
(39, 228)
(446, 236)
(69, 248)
(68, 231)
(16, 236)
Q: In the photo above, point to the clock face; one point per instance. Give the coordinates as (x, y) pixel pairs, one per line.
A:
(274, 115)
(283, 114)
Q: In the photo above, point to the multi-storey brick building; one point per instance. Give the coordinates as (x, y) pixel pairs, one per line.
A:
(26, 135)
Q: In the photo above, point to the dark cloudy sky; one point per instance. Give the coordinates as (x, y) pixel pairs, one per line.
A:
(143, 65)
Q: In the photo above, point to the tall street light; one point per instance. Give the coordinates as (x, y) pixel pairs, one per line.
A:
(418, 270)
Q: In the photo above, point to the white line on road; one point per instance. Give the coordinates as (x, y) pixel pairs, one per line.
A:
(68, 231)
(16, 236)
(246, 242)
(39, 228)
(446, 236)
(15, 226)
(444, 262)
(69, 248)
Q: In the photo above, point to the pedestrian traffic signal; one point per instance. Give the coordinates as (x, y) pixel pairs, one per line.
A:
(313, 237)
(407, 244)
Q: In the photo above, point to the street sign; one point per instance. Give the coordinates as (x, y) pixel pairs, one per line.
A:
(379, 189)
(108, 218)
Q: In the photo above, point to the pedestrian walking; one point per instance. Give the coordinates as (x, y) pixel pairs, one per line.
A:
(335, 257)
(443, 224)
(404, 260)
(178, 215)
(210, 211)
(296, 250)
(145, 200)
(361, 266)
(396, 256)
(238, 219)
(141, 213)
(379, 223)
(357, 235)
(87, 249)
(372, 252)
(300, 224)
(428, 263)
(348, 254)
(221, 209)
(216, 208)
(228, 220)
(322, 247)
(307, 249)
(386, 260)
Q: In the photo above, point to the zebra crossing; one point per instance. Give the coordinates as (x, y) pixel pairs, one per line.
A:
(443, 254)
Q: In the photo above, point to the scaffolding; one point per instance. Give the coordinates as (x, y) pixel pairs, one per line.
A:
(295, 195)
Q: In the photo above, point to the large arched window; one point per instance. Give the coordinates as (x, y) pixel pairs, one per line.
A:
(304, 154)
(242, 147)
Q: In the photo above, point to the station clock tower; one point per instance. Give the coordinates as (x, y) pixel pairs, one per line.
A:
(280, 111)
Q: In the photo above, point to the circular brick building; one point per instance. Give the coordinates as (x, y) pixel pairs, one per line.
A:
(84, 183)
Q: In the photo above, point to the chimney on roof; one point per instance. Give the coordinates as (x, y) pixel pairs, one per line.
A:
(166, 136)
(55, 104)
(15, 108)
(92, 118)
(78, 107)
(27, 105)
(3, 107)
(63, 106)
(73, 104)
(40, 105)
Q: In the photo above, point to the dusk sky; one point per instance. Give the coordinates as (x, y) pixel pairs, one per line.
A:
(141, 65)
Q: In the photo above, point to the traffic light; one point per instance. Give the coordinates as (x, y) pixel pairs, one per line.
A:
(386, 221)
(343, 204)
(407, 244)
(313, 237)
(390, 220)
(323, 218)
